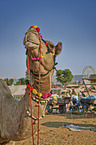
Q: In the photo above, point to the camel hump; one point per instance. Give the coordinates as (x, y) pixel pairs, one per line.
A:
(4, 89)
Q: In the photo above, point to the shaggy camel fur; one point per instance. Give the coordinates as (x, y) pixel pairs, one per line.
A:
(15, 123)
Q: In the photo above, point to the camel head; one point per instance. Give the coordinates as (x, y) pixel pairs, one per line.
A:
(35, 46)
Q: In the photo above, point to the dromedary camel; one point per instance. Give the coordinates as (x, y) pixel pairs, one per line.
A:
(15, 121)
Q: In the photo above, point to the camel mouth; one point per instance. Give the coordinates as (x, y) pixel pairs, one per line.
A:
(31, 39)
(31, 45)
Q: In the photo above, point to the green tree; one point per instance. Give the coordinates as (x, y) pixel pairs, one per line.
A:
(22, 81)
(93, 76)
(26, 78)
(64, 76)
(9, 82)
(17, 83)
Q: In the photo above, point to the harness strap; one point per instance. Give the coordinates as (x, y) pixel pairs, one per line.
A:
(42, 75)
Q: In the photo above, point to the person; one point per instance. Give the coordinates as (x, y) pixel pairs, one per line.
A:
(54, 100)
(50, 104)
(74, 101)
(75, 105)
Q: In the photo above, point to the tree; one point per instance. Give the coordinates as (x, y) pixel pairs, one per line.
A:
(92, 76)
(22, 81)
(64, 76)
(17, 83)
(6, 80)
(26, 73)
(26, 78)
(9, 82)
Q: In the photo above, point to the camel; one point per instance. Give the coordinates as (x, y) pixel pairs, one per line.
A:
(15, 120)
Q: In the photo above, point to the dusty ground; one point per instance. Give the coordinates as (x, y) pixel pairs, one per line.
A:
(51, 134)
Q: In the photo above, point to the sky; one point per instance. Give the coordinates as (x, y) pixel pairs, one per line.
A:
(72, 22)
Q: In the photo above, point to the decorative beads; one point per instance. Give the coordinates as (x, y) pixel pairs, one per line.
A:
(34, 91)
(36, 27)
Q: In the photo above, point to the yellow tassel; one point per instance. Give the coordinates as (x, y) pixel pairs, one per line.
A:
(34, 91)
(53, 53)
(40, 94)
(35, 26)
(43, 55)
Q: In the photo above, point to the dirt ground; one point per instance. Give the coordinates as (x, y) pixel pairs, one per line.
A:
(52, 134)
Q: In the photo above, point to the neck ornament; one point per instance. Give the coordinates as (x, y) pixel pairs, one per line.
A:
(34, 91)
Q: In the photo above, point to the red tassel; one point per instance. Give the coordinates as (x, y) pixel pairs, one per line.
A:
(38, 29)
(28, 86)
(49, 94)
(31, 26)
(41, 35)
(46, 44)
(31, 88)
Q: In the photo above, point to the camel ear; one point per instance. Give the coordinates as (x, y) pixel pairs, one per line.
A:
(58, 48)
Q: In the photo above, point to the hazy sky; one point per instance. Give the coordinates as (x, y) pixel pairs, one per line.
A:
(73, 22)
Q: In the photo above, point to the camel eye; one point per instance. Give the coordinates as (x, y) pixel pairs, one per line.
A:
(51, 46)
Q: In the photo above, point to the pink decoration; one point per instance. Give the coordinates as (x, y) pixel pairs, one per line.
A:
(36, 58)
(44, 96)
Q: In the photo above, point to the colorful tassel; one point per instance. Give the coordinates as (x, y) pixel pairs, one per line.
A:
(34, 91)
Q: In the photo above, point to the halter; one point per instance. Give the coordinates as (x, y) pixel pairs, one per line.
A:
(41, 75)
(48, 51)
(37, 59)
(38, 99)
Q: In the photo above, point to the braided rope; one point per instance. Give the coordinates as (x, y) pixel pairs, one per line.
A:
(30, 100)
(39, 90)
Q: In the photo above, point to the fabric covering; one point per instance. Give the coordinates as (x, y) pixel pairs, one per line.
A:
(78, 128)
(74, 96)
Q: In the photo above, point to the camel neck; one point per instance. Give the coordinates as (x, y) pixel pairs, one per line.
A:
(45, 84)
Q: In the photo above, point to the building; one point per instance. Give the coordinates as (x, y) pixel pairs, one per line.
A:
(18, 91)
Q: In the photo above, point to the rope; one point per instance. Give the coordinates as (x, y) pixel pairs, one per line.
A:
(39, 91)
(30, 100)
(38, 101)
(38, 95)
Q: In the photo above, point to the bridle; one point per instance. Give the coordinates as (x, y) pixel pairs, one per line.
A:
(31, 89)
(48, 51)
(42, 75)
